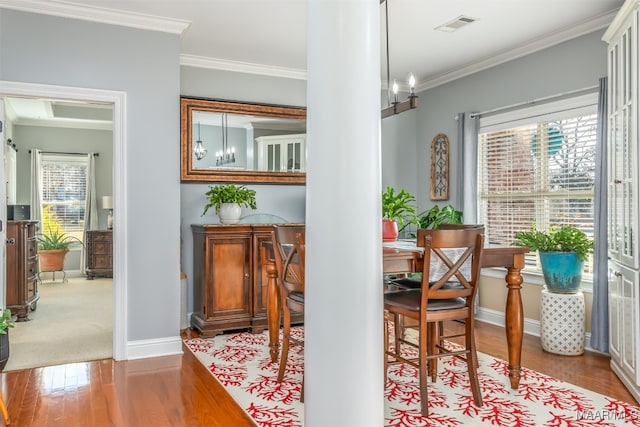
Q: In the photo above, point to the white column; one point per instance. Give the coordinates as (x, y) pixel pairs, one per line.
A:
(343, 292)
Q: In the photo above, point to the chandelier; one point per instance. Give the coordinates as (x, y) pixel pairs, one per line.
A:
(199, 151)
(226, 155)
(396, 107)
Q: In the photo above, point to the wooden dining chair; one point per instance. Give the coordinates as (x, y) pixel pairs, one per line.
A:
(448, 296)
(289, 254)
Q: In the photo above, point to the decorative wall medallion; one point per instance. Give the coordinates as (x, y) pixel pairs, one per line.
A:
(440, 167)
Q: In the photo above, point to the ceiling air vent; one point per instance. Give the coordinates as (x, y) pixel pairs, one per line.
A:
(455, 24)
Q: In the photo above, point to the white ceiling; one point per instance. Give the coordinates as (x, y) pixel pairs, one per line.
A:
(269, 36)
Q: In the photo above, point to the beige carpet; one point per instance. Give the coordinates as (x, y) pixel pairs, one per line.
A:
(73, 322)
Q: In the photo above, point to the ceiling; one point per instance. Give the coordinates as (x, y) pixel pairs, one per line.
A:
(269, 36)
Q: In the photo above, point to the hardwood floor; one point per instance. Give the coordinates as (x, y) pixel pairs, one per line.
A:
(178, 391)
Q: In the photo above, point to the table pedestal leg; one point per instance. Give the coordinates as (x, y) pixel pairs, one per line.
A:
(514, 324)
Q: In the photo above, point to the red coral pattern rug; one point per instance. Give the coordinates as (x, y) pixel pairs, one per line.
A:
(241, 363)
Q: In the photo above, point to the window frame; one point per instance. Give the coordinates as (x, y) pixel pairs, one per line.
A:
(562, 107)
(66, 158)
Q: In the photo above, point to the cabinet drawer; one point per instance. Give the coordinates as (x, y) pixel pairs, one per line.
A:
(32, 288)
(32, 248)
(32, 269)
(101, 248)
(101, 261)
(101, 237)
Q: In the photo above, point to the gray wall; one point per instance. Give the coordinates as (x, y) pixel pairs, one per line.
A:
(287, 201)
(145, 64)
(572, 65)
(406, 138)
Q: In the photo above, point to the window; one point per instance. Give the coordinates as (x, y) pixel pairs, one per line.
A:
(537, 165)
(64, 191)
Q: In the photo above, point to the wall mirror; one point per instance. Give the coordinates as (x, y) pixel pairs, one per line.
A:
(241, 142)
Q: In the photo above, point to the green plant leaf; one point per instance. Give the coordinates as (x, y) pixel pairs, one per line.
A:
(436, 216)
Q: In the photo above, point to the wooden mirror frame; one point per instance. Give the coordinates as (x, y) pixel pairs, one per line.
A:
(189, 174)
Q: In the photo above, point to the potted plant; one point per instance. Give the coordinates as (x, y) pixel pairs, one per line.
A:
(398, 211)
(53, 242)
(6, 322)
(562, 253)
(436, 216)
(53, 245)
(228, 200)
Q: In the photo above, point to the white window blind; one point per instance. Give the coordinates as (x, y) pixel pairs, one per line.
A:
(64, 190)
(537, 166)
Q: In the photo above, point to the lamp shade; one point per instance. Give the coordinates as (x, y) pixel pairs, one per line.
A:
(107, 202)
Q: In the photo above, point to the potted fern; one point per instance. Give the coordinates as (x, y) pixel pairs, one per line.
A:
(228, 200)
(562, 253)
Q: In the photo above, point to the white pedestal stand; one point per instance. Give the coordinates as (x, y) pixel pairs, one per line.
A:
(562, 318)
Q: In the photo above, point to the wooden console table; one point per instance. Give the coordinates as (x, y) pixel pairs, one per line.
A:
(403, 260)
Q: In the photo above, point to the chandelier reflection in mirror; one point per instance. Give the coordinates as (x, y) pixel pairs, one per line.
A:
(227, 154)
(199, 151)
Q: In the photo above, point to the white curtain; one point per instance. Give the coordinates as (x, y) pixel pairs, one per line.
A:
(91, 207)
(36, 186)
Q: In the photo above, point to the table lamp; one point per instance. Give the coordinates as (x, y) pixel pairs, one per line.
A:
(107, 203)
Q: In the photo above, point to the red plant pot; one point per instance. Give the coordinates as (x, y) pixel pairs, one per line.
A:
(389, 230)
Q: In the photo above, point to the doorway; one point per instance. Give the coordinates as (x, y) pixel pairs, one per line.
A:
(116, 100)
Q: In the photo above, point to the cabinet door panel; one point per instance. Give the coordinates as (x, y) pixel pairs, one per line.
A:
(229, 278)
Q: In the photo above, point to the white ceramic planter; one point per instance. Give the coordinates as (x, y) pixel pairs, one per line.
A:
(230, 213)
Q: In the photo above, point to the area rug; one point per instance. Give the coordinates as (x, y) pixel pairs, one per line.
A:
(241, 363)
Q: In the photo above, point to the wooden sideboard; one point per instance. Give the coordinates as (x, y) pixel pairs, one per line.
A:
(230, 284)
(22, 268)
(99, 245)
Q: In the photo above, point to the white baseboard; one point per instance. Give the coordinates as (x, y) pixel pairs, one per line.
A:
(531, 326)
(154, 348)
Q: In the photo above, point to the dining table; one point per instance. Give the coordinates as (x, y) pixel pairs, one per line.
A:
(405, 257)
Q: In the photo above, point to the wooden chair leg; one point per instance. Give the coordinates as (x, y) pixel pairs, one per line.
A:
(423, 366)
(433, 342)
(385, 343)
(472, 363)
(286, 331)
(3, 409)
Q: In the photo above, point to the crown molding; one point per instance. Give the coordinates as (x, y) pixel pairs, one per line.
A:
(627, 8)
(98, 14)
(580, 29)
(242, 67)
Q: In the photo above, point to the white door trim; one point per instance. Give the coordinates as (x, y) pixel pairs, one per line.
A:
(118, 101)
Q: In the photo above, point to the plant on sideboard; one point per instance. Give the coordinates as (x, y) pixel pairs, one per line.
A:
(228, 199)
